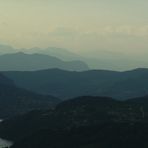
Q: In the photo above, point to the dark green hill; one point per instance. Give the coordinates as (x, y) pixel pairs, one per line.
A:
(110, 135)
(80, 123)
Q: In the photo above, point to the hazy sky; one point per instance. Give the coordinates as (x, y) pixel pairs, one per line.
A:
(119, 26)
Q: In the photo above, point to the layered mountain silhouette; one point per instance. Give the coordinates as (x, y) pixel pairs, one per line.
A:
(27, 62)
(68, 84)
(103, 60)
(14, 100)
(81, 123)
(34, 117)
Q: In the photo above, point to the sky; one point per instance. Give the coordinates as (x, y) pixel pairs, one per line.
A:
(88, 27)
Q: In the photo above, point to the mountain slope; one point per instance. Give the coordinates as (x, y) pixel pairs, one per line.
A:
(14, 100)
(28, 62)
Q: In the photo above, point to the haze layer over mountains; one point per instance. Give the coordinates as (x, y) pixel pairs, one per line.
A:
(103, 60)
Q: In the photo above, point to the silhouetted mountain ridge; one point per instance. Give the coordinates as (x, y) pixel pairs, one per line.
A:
(68, 84)
(27, 62)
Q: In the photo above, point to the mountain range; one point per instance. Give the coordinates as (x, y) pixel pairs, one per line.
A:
(60, 53)
(104, 60)
(68, 84)
(28, 62)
